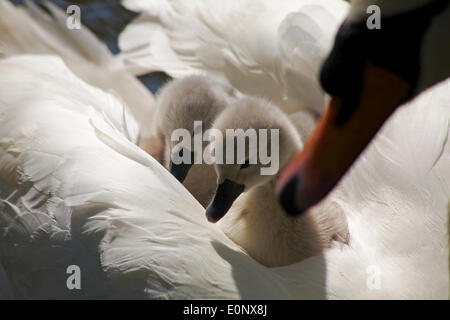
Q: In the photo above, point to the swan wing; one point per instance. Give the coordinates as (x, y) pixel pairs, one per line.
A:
(257, 47)
(396, 201)
(88, 196)
(31, 30)
(76, 190)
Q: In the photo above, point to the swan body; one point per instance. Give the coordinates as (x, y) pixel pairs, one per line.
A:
(75, 189)
(267, 49)
(256, 220)
(30, 30)
(73, 181)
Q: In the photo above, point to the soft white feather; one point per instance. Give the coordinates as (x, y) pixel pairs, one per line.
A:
(75, 189)
(264, 48)
(30, 30)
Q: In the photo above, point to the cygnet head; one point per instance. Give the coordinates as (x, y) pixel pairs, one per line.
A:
(181, 103)
(251, 120)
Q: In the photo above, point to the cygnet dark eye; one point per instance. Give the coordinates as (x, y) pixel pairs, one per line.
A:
(245, 165)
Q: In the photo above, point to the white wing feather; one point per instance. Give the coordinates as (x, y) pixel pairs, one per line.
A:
(30, 30)
(264, 48)
(396, 200)
(76, 190)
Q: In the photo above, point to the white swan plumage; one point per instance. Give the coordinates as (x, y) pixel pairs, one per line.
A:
(75, 189)
(81, 184)
(31, 30)
(106, 205)
(263, 48)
